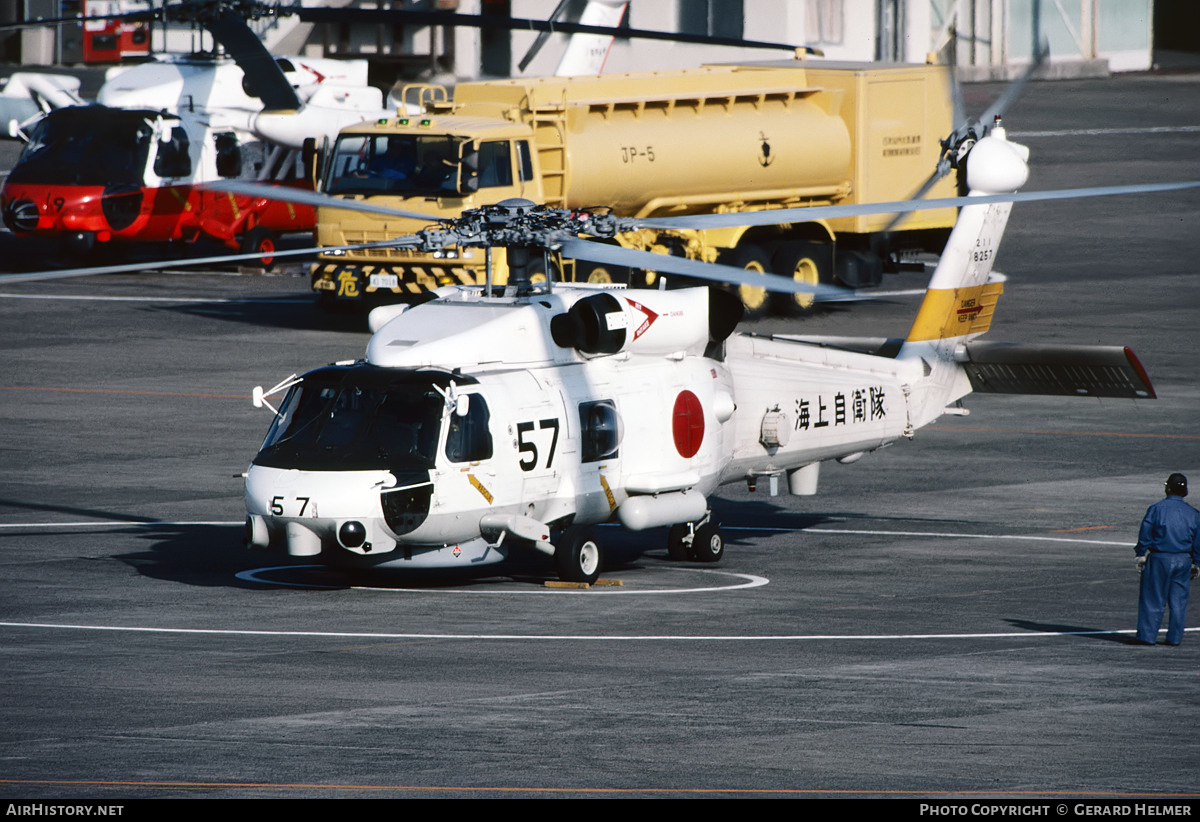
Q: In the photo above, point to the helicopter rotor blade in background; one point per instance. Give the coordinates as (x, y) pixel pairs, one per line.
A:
(966, 130)
(572, 246)
(788, 215)
(735, 219)
(264, 75)
(199, 9)
(124, 268)
(542, 37)
(448, 18)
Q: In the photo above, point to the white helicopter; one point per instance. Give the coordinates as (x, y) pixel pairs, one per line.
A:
(481, 423)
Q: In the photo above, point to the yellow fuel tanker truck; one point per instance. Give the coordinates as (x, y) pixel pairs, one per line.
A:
(722, 138)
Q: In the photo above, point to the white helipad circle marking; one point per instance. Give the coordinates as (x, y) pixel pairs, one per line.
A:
(749, 581)
(570, 637)
(587, 637)
(767, 528)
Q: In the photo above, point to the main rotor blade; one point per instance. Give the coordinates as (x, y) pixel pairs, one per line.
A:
(448, 18)
(806, 214)
(964, 129)
(146, 16)
(713, 272)
(943, 168)
(1001, 104)
(68, 273)
(542, 37)
(263, 74)
(302, 196)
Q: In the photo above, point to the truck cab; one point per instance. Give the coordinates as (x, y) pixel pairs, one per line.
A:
(435, 165)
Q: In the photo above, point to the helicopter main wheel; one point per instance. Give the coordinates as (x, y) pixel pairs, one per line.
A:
(804, 262)
(679, 548)
(578, 556)
(708, 544)
(756, 301)
(260, 240)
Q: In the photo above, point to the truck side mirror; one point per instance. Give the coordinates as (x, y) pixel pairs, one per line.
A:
(312, 155)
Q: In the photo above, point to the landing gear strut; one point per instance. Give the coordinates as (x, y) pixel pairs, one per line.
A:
(699, 542)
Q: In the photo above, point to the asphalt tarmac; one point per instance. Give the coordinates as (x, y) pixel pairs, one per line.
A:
(947, 618)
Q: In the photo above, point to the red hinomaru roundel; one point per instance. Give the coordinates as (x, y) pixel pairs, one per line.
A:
(687, 424)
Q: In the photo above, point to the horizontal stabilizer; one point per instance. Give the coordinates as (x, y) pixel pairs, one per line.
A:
(1073, 370)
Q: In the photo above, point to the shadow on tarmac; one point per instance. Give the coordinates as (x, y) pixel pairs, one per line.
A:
(1081, 631)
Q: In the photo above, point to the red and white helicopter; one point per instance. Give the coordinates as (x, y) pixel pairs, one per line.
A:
(485, 422)
(133, 166)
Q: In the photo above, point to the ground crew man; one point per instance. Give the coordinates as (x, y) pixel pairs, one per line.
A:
(1168, 550)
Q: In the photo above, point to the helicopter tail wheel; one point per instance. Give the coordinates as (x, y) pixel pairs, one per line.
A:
(260, 240)
(805, 262)
(709, 543)
(578, 556)
(752, 258)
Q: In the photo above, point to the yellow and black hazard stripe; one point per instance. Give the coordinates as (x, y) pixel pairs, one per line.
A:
(352, 280)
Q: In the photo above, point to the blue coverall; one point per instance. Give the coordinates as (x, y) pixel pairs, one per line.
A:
(1171, 535)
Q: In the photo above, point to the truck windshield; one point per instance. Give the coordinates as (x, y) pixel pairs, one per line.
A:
(86, 145)
(356, 419)
(408, 165)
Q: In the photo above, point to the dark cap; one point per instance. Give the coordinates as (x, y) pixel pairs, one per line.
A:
(1177, 485)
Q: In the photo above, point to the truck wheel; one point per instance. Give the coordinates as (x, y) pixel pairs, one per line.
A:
(601, 274)
(578, 556)
(755, 300)
(537, 271)
(260, 240)
(804, 262)
(709, 544)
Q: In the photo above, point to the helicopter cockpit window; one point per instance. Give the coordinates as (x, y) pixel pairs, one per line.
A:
(416, 166)
(86, 145)
(341, 421)
(601, 430)
(173, 159)
(468, 438)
